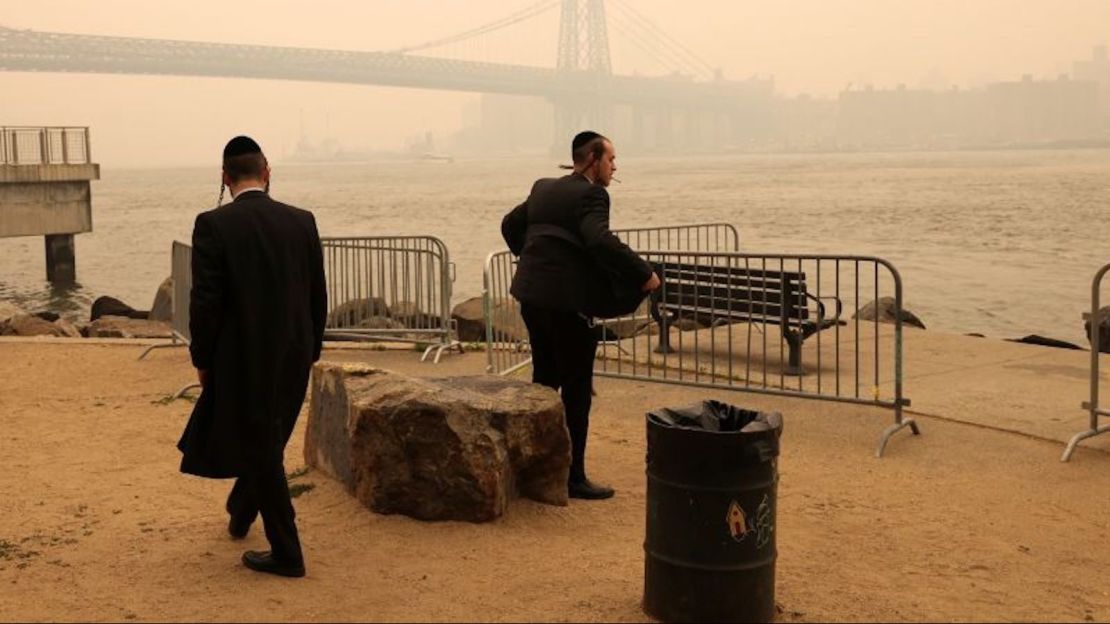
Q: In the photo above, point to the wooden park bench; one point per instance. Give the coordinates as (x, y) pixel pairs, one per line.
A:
(719, 295)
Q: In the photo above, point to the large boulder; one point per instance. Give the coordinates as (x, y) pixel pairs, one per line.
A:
(162, 308)
(29, 325)
(110, 306)
(1103, 329)
(437, 449)
(123, 327)
(356, 311)
(883, 309)
(470, 318)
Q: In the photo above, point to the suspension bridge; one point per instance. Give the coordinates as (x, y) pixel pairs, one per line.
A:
(690, 105)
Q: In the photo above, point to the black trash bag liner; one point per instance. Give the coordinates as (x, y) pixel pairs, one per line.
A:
(717, 417)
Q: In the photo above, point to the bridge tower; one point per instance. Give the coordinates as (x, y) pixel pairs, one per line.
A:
(586, 69)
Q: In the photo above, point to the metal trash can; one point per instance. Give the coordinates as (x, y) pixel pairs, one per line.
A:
(712, 478)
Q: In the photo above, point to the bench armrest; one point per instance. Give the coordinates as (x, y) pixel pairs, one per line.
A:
(821, 308)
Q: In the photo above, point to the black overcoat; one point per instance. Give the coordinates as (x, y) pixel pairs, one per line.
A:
(257, 311)
(557, 273)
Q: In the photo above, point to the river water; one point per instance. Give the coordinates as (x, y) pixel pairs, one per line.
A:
(999, 243)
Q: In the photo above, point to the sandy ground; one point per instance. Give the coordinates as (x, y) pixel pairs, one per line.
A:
(966, 522)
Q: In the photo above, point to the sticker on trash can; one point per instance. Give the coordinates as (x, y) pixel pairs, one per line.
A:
(740, 525)
(764, 523)
(737, 522)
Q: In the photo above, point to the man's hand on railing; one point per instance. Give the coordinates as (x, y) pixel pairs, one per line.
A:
(652, 283)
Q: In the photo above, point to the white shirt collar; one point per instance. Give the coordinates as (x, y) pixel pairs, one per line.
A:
(247, 190)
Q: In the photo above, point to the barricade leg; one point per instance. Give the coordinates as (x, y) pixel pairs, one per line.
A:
(173, 343)
(440, 348)
(900, 423)
(1079, 437)
(181, 392)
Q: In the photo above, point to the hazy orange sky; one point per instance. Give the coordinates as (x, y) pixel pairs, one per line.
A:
(808, 46)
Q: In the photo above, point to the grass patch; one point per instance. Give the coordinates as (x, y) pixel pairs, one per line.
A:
(10, 551)
(169, 398)
(298, 473)
(297, 489)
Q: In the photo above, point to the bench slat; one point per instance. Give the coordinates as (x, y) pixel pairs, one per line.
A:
(679, 299)
(725, 293)
(733, 281)
(730, 271)
(758, 313)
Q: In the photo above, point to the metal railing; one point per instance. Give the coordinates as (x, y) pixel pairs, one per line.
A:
(1092, 405)
(696, 237)
(503, 325)
(782, 324)
(391, 288)
(181, 273)
(44, 145)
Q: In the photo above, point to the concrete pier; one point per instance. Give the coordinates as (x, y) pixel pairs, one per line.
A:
(45, 190)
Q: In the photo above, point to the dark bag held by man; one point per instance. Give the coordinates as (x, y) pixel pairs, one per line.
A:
(608, 293)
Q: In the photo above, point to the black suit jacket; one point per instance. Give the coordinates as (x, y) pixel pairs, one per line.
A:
(257, 312)
(554, 272)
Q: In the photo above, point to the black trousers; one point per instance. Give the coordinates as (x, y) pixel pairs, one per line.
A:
(265, 491)
(563, 350)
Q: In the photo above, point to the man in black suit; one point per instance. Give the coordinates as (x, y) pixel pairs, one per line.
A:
(561, 233)
(257, 311)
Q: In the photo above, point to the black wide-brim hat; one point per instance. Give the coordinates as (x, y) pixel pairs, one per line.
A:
(241, 146)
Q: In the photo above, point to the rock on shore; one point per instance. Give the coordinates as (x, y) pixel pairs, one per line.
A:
(123, 327)
(470, 318)
(437, 449)
(883, 309)
(1103, 330)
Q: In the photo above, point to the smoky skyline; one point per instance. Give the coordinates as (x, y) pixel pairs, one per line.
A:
(815, 47)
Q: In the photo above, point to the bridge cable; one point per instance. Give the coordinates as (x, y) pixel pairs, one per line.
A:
(653, 29)
(639, 41)
(524, 14)
(679, 53)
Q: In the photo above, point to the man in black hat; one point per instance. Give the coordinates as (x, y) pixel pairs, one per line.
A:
(561, 233)
(257, 311)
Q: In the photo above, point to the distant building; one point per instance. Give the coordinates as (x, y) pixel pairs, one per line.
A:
(1025, 112)
(507, 124)
(1039, 111)
(1097, 70)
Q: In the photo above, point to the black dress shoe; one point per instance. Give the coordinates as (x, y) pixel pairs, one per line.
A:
(265, 562)
(586, 490)
(238, 528)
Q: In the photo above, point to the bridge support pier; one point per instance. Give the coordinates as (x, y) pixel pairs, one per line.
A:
(572, 117)
(61, 264)
(45, 190)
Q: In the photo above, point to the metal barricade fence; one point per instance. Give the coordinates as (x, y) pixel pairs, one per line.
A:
(506, 336)
(181, 272)
(395, 289)
(696, 237)
(1092, 405)
(783, 324)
